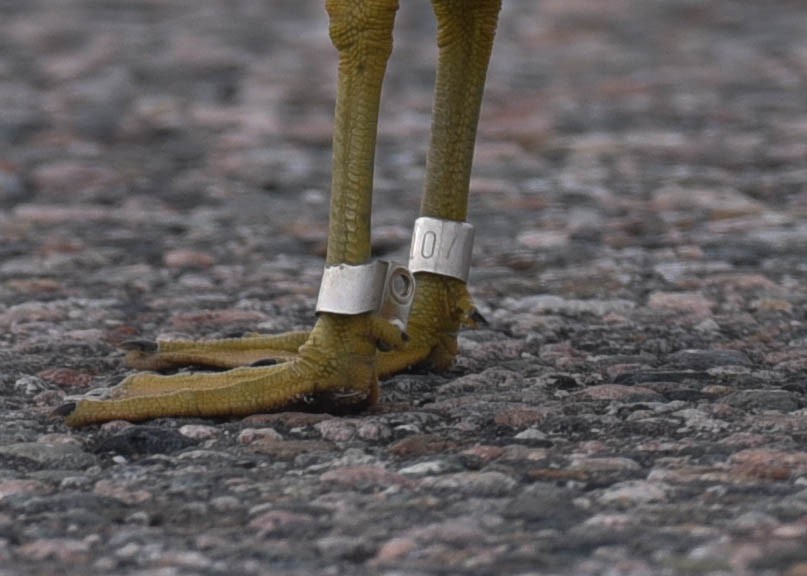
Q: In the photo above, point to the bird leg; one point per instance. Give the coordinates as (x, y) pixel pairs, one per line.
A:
(338, 357)
(465, 32)
(442, 305)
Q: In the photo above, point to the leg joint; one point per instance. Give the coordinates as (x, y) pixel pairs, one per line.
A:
(366, 23)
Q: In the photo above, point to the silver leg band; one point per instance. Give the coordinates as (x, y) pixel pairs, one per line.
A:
(382, 287)
(442, 247)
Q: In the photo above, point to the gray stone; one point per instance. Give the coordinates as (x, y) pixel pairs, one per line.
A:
(61, 456)
(705, 359)
(763, 399)
(547, 504)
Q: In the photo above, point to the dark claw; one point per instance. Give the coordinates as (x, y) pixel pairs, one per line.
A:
(264, 362)
(139, 345)
(64, 410)
(477, 317)
(404, 336)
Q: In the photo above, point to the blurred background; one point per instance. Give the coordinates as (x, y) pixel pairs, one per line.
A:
(141, 142)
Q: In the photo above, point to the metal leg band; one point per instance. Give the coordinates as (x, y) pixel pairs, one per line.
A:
(442, 247)
(382, 287)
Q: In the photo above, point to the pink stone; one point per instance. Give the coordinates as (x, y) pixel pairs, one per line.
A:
(364, 476)
(188, 259)
(18, 486)
(275, 521)
(693, 302)
(520, 417)
(619, 392)
(395, 549)
(67, 378)
(251, 435)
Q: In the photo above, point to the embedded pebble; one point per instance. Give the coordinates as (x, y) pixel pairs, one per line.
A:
(483, 484)
(428, 468)
(632, 492)
(200, 432)
(59, 457)
(252, 435)
(337, 430)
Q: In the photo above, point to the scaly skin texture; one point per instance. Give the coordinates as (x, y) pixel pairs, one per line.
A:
(338, 359)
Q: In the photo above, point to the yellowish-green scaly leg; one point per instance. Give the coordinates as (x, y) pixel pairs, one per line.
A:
(465, 32)
(338, 358)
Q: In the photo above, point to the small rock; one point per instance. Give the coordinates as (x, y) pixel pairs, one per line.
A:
(612, 521)
(708, 326)
(395, 549)
(282, 523)
(429, 468)
(799, 569)
(481, 454)
(690, 302)
(143, 440)
(285, 419)
(30, 385)
(605, 464)
(186, 559)
(695, 419)
(520, 417)
(188, 259)
(457, 531)
(12, 188)
(225, 503)
(337, 429)
(755, 520)
(353, 548)
(421, 445)
(115, 426)
(549, 304)
(481, 484)
(363, 477)
(59, 440)
(374, 431)
(67, 378)
(63, 550)
(288, 449)
(121, 492)
(545, 503)
(633, 492)
(206, 455)
(199, 432)
(773, 465)
(620, 392)
(20, 486)
(705, 359)
(61, 457)
(531, 435)
(251, 435)
(760, 399)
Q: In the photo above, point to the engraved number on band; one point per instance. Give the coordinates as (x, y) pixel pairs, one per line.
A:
(441, 247)
(428, 244)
